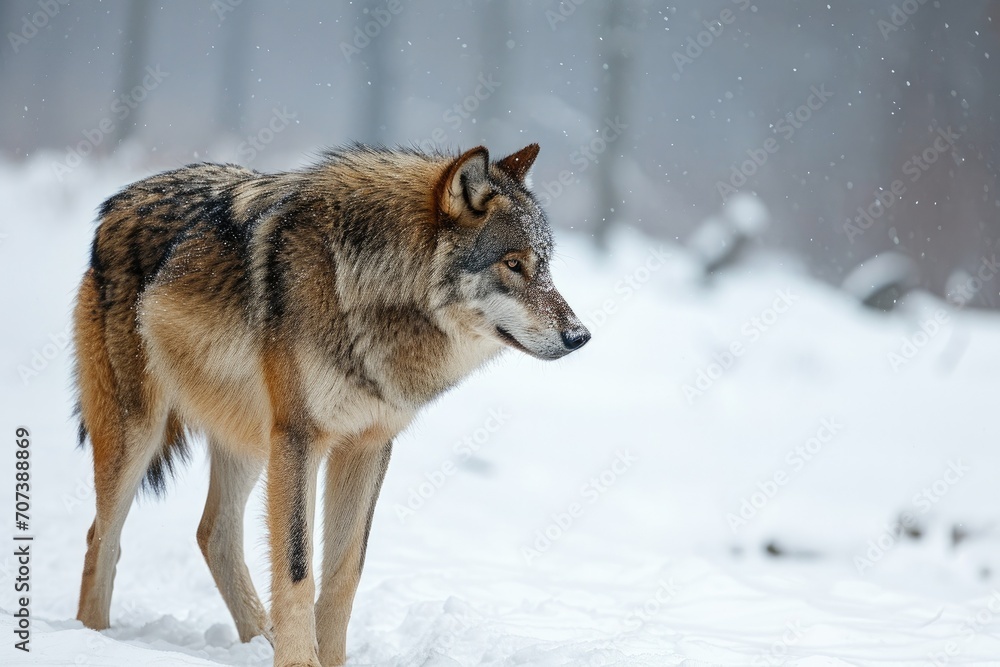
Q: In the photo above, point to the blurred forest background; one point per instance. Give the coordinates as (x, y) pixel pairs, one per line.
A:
(650, 114)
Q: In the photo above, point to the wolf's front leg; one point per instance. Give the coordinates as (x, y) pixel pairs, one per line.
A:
(291, 503)
(353, 481)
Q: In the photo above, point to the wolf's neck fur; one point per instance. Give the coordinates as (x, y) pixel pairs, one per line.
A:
(375, 250)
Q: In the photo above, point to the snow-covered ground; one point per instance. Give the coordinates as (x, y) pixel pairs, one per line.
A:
(719, 477)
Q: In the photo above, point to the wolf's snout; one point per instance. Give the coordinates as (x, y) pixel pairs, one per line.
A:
(574, 339)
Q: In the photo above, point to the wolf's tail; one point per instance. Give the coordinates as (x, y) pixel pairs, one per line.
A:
(98, 407)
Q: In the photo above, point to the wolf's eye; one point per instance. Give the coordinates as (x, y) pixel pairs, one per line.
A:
(514, 265)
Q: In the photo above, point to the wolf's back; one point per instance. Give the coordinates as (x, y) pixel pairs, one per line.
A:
(140, 224)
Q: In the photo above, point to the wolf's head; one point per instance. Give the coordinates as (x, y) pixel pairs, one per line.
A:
(502, 250)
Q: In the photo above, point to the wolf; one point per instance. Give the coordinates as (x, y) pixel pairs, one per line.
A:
(297, 319)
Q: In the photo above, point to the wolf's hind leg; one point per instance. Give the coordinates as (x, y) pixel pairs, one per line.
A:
(220, 536)
(120, 462)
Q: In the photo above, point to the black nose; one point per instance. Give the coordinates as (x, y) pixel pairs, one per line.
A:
(575, 339)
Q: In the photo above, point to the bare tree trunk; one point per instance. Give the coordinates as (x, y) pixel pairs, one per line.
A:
(233, 87)
(376, 79)
(495, 58)
(938, 220)
(614, 82)
(134, 53)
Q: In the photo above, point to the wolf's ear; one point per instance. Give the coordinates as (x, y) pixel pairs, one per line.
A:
(517, 164)
(465, 186)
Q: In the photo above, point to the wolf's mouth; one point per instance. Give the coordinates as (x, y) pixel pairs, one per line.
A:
(510, 340)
